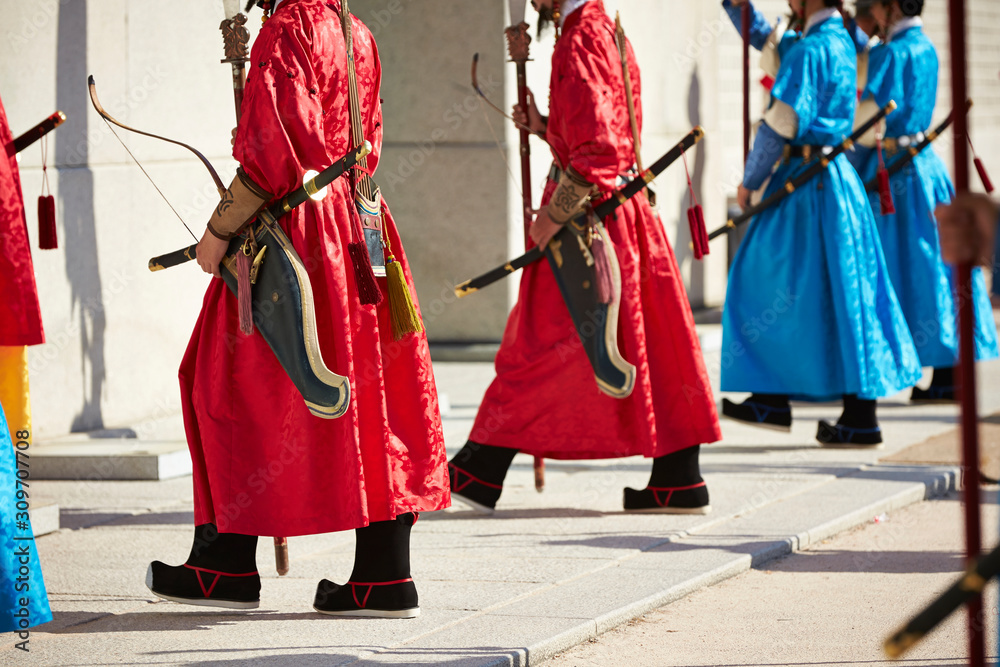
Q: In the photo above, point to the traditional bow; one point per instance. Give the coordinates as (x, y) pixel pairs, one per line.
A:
(109, 119)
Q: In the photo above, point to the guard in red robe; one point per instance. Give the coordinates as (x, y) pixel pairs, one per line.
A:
(544, 400)
(20, 315)
(263, 465)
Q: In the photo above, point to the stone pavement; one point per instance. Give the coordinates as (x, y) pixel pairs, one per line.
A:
(834, 604)
(547, 572)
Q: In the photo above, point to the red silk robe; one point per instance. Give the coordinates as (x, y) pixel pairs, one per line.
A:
(544, 400)
(263, 465)
(20, 316)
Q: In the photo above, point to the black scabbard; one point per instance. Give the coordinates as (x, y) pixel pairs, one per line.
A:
(914, 151)
(278, 209)
(36, 133)
(601, 211)
(970, 585)
(793, 184)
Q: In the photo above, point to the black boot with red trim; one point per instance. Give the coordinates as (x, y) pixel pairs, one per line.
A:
(675, 486)
(220, 572)
(380, 585)
(477, 473)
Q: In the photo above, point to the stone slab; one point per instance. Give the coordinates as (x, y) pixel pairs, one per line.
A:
(127, 459)
(44, 518)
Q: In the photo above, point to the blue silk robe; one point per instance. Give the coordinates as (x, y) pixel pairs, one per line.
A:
(905, 69)
(23, 600)
(810, 311)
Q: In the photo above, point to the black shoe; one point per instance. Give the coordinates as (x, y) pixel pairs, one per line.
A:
(669, 500)
(758, 414)
(206, 588)
(838, 435)
(933, 394)
(391, 599)
(479, 495)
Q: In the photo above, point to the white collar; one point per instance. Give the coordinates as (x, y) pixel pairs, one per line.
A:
(904, 24)
(568, 8)
(819, 17)
(276, 3)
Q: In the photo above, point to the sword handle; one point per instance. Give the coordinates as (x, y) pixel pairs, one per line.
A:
(174, 258)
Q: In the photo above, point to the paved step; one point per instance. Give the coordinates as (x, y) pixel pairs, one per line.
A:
(125, 459)
(44, 518)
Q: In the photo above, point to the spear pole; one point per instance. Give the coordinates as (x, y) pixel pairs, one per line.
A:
(236, 38)
(966, 346)
(745, 20)
(518, 41)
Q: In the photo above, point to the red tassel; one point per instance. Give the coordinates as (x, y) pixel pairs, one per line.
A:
(695, 236)
(703, 232)
(602, 270)
(983, 176)
(364, 276)
(696, 219)
(886, 207)
(885, 193)
(47, 239)
(243, 292)
(699, 235)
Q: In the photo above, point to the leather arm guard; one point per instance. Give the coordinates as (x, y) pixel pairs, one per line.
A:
(242, 201)
(569, 196)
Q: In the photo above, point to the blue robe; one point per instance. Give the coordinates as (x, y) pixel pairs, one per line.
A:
(905, 69)
(810, 311)
(20, 573)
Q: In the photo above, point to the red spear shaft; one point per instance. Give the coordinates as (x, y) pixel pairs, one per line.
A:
(518, 40)
(236, 39)
(745, 19)
(966, 325)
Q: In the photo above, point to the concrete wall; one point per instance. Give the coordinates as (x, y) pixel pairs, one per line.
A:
(117, 332)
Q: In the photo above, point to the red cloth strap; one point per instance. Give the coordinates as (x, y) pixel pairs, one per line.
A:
(354, 589)
(459, 487)
(380, 583)
(225, 574)
(218, 575)
(670, 491)
(677, 488)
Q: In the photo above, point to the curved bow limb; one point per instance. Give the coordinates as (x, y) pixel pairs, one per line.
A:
(111, 119)
(489, 103)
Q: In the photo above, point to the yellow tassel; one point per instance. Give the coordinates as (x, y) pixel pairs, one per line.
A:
(402, 312)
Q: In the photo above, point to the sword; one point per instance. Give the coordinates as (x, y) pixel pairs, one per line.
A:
(601, 211)
(311, 188)
(913, 151)
(970, 585)
(793, 184)
(36, 133)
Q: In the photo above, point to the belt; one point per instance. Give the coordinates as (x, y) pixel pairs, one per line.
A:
(893, 144)
(806, 152)
(555, 173)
